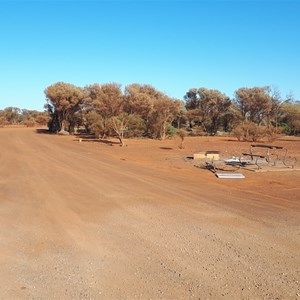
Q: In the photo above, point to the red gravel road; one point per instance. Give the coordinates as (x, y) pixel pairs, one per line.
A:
(77, 222)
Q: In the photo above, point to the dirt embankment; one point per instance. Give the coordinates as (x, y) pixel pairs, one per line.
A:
(93, 221)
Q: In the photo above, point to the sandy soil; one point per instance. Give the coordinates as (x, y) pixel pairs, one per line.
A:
(93, 220)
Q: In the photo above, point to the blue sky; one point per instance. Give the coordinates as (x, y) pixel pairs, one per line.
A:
(172, 45)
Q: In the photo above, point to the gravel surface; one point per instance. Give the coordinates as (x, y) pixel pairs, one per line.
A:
(91, 221)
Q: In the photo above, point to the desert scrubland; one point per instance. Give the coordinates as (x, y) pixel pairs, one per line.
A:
(93, 220)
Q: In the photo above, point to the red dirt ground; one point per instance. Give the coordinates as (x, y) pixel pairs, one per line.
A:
(93, 220)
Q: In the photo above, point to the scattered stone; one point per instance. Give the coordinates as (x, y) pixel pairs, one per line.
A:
(63, 132)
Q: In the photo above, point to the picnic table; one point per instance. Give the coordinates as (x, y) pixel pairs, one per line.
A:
(259, 155)
(269, 154)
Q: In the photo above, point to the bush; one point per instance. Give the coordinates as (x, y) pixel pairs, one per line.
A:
(286, 129)
(30, 123)
(273, 133)
(171, 130)
(197, 131)
(136, 126)
(181, 133)
(97, 128)
(3, 121)
(251, 132)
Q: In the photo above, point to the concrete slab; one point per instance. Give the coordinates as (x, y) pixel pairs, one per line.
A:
(230, 175)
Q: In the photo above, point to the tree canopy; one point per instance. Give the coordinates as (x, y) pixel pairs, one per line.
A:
(142, 110)
(63, 101)
(208, 107)
(254, 103)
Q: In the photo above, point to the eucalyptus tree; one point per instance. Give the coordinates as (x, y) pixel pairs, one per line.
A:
(207, 107)
(254, 104)
(139, 100)
(165, 111)
(13, 115)
(291, 117)
(153, 106)
(107, 101)
(64, 100)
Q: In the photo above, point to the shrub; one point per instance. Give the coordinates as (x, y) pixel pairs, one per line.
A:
(171, 130)
(197, 131)
(286, 129)
(3, 121)
(273, 133)
(181, 133)
(251, 132)
(136, 126)
(239, 133)
(30, 123)
(97, 128)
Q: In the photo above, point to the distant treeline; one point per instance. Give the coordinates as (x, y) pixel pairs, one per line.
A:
(142, 111)
(18, 116)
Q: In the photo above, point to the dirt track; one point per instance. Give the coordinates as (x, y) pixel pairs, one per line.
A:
(79, 223)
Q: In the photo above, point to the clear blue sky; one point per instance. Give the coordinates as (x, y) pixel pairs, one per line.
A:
(172, 45)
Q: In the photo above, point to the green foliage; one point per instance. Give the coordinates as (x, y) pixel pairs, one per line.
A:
(135, 127)
(208, 108)
(286, 129)
(292, 116)
(171, 130)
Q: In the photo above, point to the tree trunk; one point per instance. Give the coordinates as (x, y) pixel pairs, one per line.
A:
(163, 131)
(54, 123)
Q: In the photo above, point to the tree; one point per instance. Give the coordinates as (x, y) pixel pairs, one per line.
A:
(107, 100)
(255, 104)
(291, 116)
(164, 112)
(153, 106)
(63, 101)
(181, 117)
(139, 100)
(231, 118)
(93, 123)
(208, 106)
(42, 118)
(119, 125)
(13, 115)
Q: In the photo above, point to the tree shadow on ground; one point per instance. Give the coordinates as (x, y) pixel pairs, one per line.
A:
(43, 131)
(166, 148)
(88, 138)
(235, 140)
(289, 140)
